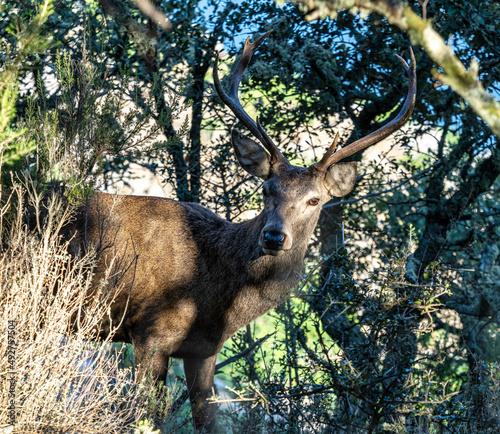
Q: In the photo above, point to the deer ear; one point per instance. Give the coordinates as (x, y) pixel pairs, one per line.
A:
(340, 178)
(251, 156)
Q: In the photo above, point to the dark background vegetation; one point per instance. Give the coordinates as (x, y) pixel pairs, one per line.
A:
(394, 331)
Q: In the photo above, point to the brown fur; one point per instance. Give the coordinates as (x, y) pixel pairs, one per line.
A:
(193, 279)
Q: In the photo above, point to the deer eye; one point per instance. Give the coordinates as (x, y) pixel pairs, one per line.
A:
(314, 201)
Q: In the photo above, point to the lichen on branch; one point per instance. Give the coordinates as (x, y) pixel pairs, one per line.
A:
(454, 74)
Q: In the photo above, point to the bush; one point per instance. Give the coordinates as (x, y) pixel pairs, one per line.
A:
(57, 378)
(363, 355)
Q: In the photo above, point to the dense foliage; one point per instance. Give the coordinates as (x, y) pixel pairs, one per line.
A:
(394, 329)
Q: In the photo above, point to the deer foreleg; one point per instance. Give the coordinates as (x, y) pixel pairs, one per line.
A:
(200, 383)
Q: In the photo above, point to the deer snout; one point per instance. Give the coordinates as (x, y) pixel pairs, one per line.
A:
(275, 242)
(274, 239)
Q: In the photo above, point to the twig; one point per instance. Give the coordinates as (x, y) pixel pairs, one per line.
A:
(218, 401)
(378, 193)
(424, 8)
(238, 356)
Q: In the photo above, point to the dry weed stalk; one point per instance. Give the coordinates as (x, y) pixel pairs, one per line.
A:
(59, 379)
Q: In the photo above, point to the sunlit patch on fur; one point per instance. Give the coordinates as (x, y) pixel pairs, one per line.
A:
(273, 252)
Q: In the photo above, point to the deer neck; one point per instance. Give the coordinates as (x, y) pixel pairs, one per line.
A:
(260, 281)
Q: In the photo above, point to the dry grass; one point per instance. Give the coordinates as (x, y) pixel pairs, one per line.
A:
(53, 376)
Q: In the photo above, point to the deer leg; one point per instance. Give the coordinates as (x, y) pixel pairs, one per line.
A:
(149, 357)
(200, 383)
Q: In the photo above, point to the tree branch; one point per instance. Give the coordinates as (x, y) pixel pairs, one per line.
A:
(158, 17)
(464, 82)
(379, 193)
(238, 356)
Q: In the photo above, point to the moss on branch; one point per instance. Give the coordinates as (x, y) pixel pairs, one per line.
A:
(421, 32)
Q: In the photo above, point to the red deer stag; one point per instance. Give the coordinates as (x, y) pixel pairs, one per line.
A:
(196, 279)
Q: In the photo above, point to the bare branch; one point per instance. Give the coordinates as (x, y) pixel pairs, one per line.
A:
(238, 356)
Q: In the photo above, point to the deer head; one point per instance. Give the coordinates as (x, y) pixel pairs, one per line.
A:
(293, 196)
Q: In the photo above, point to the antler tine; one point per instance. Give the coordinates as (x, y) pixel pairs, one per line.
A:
(324, 164)
(383, 132)
(233, 102)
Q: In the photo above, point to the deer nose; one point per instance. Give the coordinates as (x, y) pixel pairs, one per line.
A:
(274, 240)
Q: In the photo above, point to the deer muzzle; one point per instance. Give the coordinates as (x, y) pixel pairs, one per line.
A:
(274, 242)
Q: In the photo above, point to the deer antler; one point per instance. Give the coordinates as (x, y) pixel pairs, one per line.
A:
(331, 158)
(233, 102)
